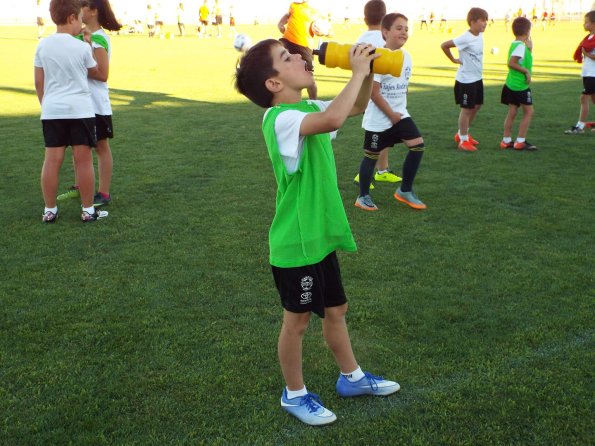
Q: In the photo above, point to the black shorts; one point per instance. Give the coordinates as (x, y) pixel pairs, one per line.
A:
(304, 51)
(469, 95)
(69, 132)
(103, 127)
(512, 97)
(40, 21)
(404, 130)
(158, 22)
(219, 20)
(589, 85)
(204, 22)
(312, 287)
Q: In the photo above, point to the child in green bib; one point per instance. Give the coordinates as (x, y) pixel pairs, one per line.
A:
(516, 92)
(310, 224)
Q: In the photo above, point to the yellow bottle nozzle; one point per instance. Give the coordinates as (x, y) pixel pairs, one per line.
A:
(333, 54)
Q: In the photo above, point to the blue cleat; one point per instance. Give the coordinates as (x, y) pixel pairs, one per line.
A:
(308, 409)
(368, 385)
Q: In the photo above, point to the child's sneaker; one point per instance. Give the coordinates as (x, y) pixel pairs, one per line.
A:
(368, 385)
(365, 203)
(49, 217)
(574, 130)
(308, 409)
(410, 199)
(467, 146)
(506, 145)
(356, 181)
(90, 218)
(100, 200)
(470, 139)
(387, 176)
(525, 145)
(73, 192)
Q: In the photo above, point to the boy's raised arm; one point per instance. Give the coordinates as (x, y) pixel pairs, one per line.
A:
(351, 100)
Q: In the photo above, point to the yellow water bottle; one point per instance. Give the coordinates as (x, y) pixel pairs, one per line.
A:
(333, 54)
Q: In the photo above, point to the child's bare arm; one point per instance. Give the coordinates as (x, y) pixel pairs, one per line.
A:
(513, 64)
(343, 105)
(282, 23)
(100, 55)
(381, 103)
(39, 77)
(446, 46)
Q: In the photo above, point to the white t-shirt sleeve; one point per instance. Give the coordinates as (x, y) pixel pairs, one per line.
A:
(289, 140)
(89, 61)
(519, 52)
(463, 40)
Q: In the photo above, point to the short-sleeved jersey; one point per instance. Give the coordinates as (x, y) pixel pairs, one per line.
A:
(394, 91)
(373, 37)
(515, 80)
(99, 89)
(65, 62)
(470, 49)
(203, 13)
(297, 29)
(310, 220)
(589, 64)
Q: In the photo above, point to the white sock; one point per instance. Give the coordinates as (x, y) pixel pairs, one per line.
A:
(380, 172)
(507, 139)
(519, 139)
(90, 210)
(464, 137)
(354, 376)
(53, 210)
(580, 125)
(295, 393)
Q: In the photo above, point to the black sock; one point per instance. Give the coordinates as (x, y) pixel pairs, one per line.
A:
(410, 167)
(366, 171)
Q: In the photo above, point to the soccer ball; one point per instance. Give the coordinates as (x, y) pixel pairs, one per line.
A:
(494, 50)
(242, 42)
(320, 28)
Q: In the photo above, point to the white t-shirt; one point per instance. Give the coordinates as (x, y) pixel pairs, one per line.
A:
(99, 89)
(394, 91)
(287, 131)
(373, 37)
(519, 51)
(589, 64)
(470, 49)
(65, 61)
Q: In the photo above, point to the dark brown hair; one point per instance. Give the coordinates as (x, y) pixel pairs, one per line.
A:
(105, 15)
(255, 67)
(521, 26)
(374, 10)
(60, 10)
(476, 14)
(590, 16)
(389, 19)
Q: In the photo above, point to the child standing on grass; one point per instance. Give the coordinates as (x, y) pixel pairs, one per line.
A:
(468, 88)
(387, 121)
(585, 53)
(310, 222)
(516, 92)
(97, 15)
(62, 64)
(374, 11)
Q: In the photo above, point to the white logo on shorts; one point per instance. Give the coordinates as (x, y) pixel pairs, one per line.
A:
(307, 283)
(306, 298)
(374, 144)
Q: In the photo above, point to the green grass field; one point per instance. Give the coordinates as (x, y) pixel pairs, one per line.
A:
(159, 325)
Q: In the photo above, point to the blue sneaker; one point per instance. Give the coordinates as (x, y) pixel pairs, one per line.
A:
(368, 385)
(308, 409)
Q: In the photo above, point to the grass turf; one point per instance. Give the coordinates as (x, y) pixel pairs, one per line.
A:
(159, 325)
